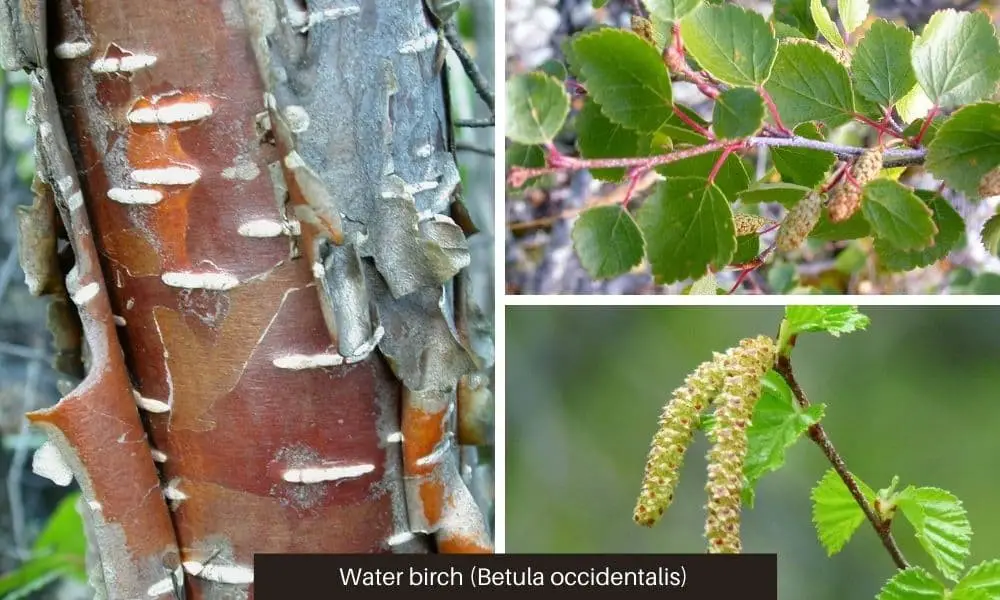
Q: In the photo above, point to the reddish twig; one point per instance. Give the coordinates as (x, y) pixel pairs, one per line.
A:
(923, 128)
(836, 177)
(773, 109)
(692, 123)
(877, 126)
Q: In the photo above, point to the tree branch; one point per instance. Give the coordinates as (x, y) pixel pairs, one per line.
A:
(818, 435)
(478, 81)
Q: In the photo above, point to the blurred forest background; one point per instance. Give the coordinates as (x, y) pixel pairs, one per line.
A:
(41, 539)
(915, 395)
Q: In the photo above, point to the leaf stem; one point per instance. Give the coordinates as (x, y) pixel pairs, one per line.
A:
(773, 109)
(927, 122)
(818, 435)
(693, 124)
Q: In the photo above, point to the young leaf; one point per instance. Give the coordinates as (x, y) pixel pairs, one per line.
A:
(990, 235)
(607, 241)
(970, 594)
(825, 24)
(803, 166)
(881, 65)
(670, 10)
(802, 96)
(957, 58)
(966, 147)
(688, 227)
(835, 512)
(834, 320)
(600, 137)
(537, 106)
(795, 13)
(950, 228)
(898, 215)
(984, 577)
(852, 13)
(942, 526)
(738, 112)
(777, 423)
(915, 583)
(732, 43)
(626, 77)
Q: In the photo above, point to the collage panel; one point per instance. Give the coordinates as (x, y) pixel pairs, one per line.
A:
(751, 148)
(853, 443)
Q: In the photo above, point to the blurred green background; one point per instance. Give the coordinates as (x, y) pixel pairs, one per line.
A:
(915, 395)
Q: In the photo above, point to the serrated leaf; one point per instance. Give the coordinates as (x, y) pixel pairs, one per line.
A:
(854, 228)
(732, 43)
(786, 194)
(834, 320)
(824, 23)
(537, 106)
(835, 512)
(897, 215)
(990, 236)
(984, 577)
(626, 77)
(607, 241)
(688, 227)
(600, 137)
(914, 583)
(738, 112)
(795, 13)
(778, 422)
(950, 228)
(670, 10)
(914, 105)
(803, 166)
(782, 31)
(731, 179)
(852, 13)
(881, 65)
(802, 96)
(966, 147)
(942, 526)
(957, 58)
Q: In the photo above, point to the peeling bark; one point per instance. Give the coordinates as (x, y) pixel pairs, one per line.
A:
(256, 194)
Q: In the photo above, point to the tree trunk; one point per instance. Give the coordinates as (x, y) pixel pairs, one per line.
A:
(256, 194)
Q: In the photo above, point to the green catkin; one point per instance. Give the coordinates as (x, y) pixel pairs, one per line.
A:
(676, 430)
(744, 367)
(799, 221)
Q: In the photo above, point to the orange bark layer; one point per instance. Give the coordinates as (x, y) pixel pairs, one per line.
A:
(237, 422)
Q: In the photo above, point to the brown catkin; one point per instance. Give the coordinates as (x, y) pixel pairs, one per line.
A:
(749, 224)
(799, 221)
(989, 185)
(676, 430)
(846, 197)
(643, 28)
(744, 366)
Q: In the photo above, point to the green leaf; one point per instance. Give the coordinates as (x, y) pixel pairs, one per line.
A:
(914, 104)
(747, 249)
(679, 131)
(782, 31)
(555, 69)
(852, 13)
(31, 576)
(795, 13)
(881, 65)
(914, 583)
(803, 166)
(670, 10)
(942, 526)
(732, 43)
(990, 235)
(970, 595)
(537, 106)
(600, 137)
(957, 58)
(731, 179)
(598, 3)
(834, 320)
(738, 112)
(966, 147)
(607, 241)
(983, 577)
(802, 96)
(524, 156)
(950, 228)
(913, 129)
(898, 215)
(778, 422)
(854, 228)
(786, 194)
(688, 227)
(825, 24)
(835, 512)
(626, 77)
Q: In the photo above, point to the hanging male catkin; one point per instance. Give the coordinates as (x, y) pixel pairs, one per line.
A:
(799, 221)
(846, 197)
